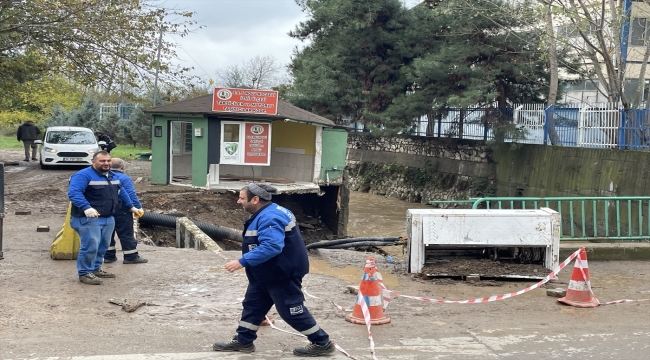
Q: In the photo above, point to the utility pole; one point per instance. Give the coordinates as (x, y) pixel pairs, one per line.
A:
(155, 81)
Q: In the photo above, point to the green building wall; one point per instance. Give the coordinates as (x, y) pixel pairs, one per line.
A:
(200, 153)
(333, 153)
(160, 152)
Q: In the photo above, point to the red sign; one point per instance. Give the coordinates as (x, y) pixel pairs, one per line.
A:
(247, 101)
(257, 141)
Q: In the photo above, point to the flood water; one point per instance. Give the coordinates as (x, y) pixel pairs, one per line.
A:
(376, 215)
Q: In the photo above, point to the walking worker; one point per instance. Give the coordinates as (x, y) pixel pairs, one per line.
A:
(124, 219)
(95, 195)
(275, 258)
(27, 133)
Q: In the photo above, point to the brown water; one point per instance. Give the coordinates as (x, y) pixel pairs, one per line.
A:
(375, 215)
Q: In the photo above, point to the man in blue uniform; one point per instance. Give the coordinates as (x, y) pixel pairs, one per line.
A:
(275, 259)
(124, 220)
(95, 193)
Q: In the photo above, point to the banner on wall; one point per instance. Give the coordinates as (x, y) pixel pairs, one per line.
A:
(245, 143)
(245, 101)
(256, 144)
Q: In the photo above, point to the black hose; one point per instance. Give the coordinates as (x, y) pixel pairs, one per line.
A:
(328, 243)
(362, 243)
(214, 231)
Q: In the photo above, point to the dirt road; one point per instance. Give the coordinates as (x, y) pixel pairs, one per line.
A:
(192, 302)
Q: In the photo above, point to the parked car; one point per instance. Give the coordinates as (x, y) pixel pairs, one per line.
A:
(67, 146)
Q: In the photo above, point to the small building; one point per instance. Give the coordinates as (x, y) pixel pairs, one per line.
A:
(200, 144)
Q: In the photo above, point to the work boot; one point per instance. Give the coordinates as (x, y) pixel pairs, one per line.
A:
(90, 279)
(108, 261)
(234, 345)
(314, 349)
(103, 274)
(26, 159)
(138, 260)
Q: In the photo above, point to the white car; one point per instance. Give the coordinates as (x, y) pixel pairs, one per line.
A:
(67, 146)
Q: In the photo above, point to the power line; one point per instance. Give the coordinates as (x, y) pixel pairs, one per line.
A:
(188, 54)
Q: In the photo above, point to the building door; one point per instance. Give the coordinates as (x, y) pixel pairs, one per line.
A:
(181, 153)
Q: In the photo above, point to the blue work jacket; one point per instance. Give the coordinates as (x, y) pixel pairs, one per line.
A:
(90, 188)
(272, 247)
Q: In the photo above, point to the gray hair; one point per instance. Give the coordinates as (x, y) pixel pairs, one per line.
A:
(264, 191)
(117, 163)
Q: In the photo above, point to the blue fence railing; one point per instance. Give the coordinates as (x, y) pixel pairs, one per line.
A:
(577, 125)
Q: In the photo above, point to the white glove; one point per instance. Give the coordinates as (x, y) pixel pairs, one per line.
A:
(91, 213)
(137, 212)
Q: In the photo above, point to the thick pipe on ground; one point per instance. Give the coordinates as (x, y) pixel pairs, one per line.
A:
(361, 243)
(214, 231)
(329, 243)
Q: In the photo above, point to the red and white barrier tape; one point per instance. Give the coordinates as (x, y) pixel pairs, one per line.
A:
(299, 334)
(624, 301)
(495, 297)
(332, 302)
(366, 316)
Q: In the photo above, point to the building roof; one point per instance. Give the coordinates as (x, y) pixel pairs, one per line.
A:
(203, 106)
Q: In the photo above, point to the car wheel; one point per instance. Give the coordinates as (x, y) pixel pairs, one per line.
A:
(43, 166)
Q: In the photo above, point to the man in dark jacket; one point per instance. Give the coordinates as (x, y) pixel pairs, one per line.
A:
(110, 144)
(275, 259)
(27, 133)
(124, 220)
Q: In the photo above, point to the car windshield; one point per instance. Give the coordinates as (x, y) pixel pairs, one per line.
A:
(70, 137)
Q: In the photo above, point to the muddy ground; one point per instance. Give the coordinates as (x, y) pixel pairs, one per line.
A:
(192, 301)
(212, 208)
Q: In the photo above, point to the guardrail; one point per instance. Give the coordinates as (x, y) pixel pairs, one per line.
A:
(586, 218)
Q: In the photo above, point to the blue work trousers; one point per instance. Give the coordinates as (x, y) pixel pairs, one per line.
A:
(95, 235)
(124, 231)
(288, 299)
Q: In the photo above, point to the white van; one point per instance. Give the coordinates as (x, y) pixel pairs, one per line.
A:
(66, 146)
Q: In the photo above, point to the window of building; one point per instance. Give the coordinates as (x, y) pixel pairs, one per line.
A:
(181, 138)
(631, 87)
(582, 85)
(639, 31)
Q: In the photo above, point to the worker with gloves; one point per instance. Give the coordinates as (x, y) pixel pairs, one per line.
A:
(95, 195)
(124, 220)
(275, 259)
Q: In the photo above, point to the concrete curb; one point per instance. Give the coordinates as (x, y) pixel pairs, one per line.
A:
(608, 251)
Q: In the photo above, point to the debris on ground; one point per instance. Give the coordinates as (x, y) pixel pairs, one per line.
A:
(128, 305)
(485, 268)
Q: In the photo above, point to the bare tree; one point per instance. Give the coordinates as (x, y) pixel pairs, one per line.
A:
(260, 72)
(231, 76)
(554, 70)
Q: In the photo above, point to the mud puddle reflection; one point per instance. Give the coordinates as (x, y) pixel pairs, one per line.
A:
(351, 275)
(375, 215)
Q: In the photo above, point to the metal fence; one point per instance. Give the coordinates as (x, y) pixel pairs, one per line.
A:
(596, 125)
(587, 218)
(123, 110)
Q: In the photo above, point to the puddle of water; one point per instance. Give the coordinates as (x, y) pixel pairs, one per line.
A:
(13, 169)
(375, 215)
(351, 275)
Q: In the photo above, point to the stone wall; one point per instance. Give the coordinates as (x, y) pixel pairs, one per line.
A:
(420, 169)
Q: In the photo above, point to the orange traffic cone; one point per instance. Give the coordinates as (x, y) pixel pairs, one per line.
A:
(579, 292)
(370, 293)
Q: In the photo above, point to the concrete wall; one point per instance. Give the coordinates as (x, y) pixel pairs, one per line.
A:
(419, 169)
(423, 169)
(299, 167)
(538, 170)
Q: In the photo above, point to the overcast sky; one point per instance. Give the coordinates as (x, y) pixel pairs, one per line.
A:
(237, 30)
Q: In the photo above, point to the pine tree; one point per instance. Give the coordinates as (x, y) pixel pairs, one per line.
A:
(110, 125)
(137, 130)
